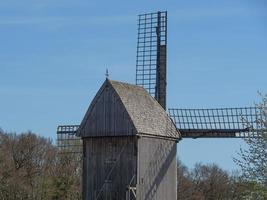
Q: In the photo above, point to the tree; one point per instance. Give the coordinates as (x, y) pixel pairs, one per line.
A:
(208, 182)
(32, 168)
(253, 161)
(67, 177)
(211, 181)
(24, 159)
(186, 188)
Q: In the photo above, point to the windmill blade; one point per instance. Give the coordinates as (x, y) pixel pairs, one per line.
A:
(67, 141)
(218, 122)
(151, 55)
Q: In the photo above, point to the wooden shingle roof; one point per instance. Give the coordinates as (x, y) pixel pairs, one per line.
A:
(137, 111)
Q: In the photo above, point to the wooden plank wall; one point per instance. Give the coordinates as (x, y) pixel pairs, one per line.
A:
(157, 169)
(108, 116)
(101, 155)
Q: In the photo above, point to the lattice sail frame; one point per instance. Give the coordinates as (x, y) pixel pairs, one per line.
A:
(67, 141)
(243, 122)
(218, 122)
(151, 58)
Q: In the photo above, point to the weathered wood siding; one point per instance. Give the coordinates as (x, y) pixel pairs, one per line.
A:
(124, 109)
(162, 77)
(108, 116)
(122, 133)
(157, 169)
(109, 165)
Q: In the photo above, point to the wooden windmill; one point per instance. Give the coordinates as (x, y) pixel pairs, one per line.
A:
(129, 141)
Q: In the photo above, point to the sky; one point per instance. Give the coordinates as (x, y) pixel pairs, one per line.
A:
(54, 55)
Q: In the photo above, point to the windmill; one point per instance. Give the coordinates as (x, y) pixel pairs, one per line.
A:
(151, 74)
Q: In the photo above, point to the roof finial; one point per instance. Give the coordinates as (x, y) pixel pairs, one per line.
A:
(107, 75)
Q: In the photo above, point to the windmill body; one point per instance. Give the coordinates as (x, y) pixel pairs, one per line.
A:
(123, 134)
(129, 140)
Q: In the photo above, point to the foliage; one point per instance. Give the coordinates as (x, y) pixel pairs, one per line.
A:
(32, 168)
(205, 182)
(209, 182)
(67, 177)
(253, 161)
(185, 186)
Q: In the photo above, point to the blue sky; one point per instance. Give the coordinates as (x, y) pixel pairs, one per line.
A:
(54, 54)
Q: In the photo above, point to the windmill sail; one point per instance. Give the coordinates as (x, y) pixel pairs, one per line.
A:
(151, 54)
(191, 123)
(67, 141)
(218, 122)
